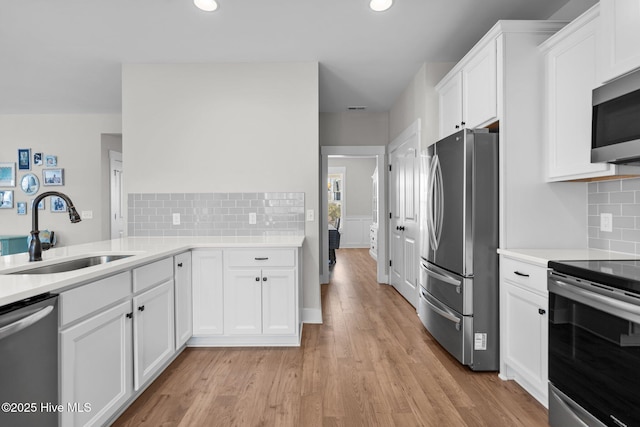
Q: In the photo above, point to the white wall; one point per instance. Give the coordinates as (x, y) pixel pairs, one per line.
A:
(226, 128)
(419, 100)
(354, 128)
(358, 189)
(572, 10)
(76, 140)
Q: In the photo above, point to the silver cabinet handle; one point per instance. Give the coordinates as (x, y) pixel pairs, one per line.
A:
(19, 325)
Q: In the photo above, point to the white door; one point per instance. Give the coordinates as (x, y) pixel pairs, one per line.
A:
(404, 224)
(208, 303)
(117, 196)
(183, 298)
(278, 302)
(96, 366)
(243, 302)
(153, 333)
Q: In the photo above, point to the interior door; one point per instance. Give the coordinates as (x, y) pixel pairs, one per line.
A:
(117, 195)
(404, 225)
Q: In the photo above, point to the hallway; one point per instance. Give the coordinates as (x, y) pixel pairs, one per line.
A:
(371, 363)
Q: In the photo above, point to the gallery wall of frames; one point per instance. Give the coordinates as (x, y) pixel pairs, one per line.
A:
(24, 177)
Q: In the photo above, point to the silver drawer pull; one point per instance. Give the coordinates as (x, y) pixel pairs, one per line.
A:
(450, 317)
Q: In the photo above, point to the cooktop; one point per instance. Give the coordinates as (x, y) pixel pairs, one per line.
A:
(621, 274)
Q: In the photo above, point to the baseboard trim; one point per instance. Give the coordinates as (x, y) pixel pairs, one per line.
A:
(312, 315)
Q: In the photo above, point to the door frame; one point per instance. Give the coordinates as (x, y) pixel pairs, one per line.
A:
(380, 153)
(115, 156)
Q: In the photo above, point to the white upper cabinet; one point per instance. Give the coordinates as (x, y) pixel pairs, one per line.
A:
(479, 91)
(571, 75)
(620, 47)
(468, 95)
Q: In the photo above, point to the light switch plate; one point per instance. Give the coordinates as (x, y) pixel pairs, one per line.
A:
(606, 222)
(311, 216)
(176, 219)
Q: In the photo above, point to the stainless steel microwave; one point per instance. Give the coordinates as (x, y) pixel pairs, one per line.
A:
(615, 133)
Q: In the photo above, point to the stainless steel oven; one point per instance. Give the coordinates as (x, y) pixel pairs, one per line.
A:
(594, 343)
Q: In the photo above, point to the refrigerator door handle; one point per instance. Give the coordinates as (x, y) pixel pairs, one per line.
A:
(440, 201)
(431, 202)
(443, 278)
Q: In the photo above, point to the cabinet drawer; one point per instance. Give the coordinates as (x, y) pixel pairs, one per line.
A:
(528, 275)
(260, 258)
(152, 274)
(86, 299)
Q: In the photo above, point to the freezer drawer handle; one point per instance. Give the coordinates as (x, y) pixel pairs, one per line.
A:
(19, 325)
(446, 279)
(444, 314)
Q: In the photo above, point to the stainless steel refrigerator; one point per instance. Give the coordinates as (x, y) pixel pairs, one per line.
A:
(459, 291)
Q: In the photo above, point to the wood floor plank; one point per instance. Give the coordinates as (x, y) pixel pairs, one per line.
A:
(371, 363)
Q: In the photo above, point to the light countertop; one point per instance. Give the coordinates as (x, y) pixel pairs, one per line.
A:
(542, 257)
(15, 287)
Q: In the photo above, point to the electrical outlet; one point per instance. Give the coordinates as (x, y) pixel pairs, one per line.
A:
(311, 216)
(176, 219)
(87, 214)
(606, 222)
(252, 218)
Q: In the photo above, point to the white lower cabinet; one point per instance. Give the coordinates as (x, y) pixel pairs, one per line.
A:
(208, 300)
(96, 361)
(114, 341)
(260, 302)
(524, 327)
(153, 334)
(183, 298)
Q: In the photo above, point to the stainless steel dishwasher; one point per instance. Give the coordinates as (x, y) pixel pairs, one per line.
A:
(29, 362)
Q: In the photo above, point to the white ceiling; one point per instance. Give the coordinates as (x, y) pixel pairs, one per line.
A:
(65, 56)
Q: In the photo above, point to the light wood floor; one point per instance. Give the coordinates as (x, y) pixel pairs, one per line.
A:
(371, 363)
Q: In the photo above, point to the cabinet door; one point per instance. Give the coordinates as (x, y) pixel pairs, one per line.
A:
(278, 302)
(620, 26)
(526, 336)
(153, 334)
(208, 302)
(183, 298)
(571, 76)
(96, 366)
(479, 82)
(450, 106)
(243, 302)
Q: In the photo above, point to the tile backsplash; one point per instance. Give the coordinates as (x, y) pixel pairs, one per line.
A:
(216, 214)
(621, 198)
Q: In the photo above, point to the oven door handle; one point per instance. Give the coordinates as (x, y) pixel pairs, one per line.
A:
(443, 278)
(613, 306)
(17, 326)
(442, 312)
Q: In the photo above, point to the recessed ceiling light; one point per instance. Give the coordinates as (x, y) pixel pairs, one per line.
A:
(206, 5)
(380, 5)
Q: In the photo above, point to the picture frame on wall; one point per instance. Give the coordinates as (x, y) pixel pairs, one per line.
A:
(40, 205)
(53, 176)
(7, 174)
(22, 208)
(6, 199)
(50, 161)
(24, 159)
(58, 204)
(37, 159)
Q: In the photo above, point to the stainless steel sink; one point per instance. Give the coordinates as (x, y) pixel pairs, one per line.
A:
(72, 265)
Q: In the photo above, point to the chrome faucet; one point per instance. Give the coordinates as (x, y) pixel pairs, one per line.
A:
(35, 247)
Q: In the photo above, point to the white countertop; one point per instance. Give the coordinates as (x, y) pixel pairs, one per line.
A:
(542, 257)
(144, 250)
